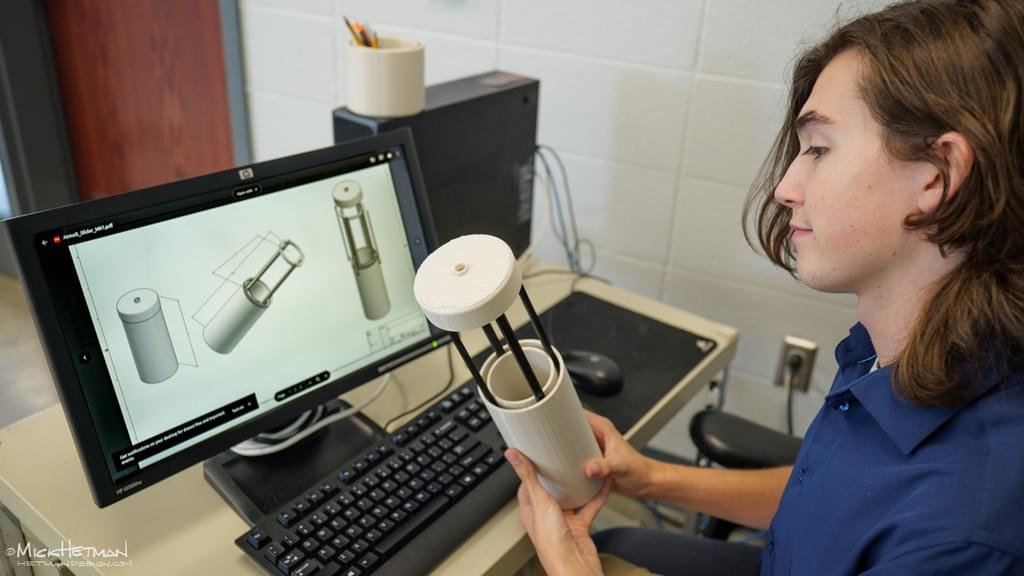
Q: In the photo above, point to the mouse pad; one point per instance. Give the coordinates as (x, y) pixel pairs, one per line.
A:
(653, 356)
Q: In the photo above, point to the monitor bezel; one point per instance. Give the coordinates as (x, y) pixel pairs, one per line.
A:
(24, 230)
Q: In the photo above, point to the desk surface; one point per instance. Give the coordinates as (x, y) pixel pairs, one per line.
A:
(182, 526)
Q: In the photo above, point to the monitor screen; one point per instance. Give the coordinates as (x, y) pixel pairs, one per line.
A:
(183, 318)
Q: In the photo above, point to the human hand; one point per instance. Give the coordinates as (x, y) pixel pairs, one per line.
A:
(630, 471)
(561, 537)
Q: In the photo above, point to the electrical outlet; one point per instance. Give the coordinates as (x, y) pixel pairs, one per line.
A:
(805, 350)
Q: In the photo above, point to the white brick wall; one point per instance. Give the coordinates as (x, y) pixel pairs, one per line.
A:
(662, 111)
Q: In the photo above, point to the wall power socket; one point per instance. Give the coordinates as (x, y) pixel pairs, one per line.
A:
(800, 353)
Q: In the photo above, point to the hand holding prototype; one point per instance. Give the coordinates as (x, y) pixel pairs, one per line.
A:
(561, 537)
(630, 471)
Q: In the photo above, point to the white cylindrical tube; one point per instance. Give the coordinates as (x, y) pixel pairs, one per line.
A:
(372, 290)
(553, 433)
(361, 248)
(235, 319)
(148, 337)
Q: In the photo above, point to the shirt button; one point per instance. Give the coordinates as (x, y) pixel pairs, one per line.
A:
(844, 406)
(803, 474)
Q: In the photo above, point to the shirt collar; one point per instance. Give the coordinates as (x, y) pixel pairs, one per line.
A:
(905, 423)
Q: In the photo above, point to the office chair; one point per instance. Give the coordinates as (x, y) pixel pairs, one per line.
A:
(734, 442)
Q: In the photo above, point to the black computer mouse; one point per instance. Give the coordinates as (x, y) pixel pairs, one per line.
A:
(593, 373)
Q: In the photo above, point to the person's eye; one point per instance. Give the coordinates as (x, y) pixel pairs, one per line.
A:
(815, 151)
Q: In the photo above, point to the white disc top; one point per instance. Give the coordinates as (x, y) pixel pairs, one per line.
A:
(138, 305)
(347, 194)
(468, 282)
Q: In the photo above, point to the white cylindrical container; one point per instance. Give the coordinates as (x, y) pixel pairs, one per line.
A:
(387, 81)
(553, 433)
(148, 337)
(235, 319)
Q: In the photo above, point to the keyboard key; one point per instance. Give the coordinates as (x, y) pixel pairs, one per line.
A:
(353, 531)
(351, 514)
(257, 539)
(400, 438)
(309, 546)
(476, 454)
(360, 465)
(352, 571)
(304, 529)
(475, 424)
(371, 482)
(346, 557)
(290, 560)
(457, 435)
(318, 519)
(328, 489)
(287, 518)
(373, 457)
(373, 536)
(288, 541)
(339, 542)
(367, 562)
(466, 446)
(445, 479)
(326, 554)
(443, 429)
(447, 406)
(314, 497)
(388, 486)
(453, 491)
(359, 546)
(301, 507)
(379, 512)
(273, 553)
(438, 466)
(385, 526)
(467, 479)
(324, 535)
(348, 475)
(384, 450)
(398, 515)
(337, 524)
(307, 568)
(411, 526)
(480, 469)
(331, 509)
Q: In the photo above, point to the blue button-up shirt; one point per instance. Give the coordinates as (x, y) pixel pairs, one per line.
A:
(882, 486)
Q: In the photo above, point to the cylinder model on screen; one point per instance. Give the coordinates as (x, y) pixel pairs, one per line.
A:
(361, 248)
(251, 300)
(148, 337)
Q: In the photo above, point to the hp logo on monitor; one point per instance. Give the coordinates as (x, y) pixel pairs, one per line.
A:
(245, 173)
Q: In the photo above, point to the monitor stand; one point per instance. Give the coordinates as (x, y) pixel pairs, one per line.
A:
(255, 487)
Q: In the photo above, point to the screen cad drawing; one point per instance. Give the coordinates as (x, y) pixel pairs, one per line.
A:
(220, 303)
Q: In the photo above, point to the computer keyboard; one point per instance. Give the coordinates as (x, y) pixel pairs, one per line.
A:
(400, 506)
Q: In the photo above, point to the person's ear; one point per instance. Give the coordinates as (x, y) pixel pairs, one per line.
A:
(957, 154)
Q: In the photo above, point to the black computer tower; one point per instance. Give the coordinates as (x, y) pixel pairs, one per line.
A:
(475, 141)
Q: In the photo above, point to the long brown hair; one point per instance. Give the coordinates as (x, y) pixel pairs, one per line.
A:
(935, 66)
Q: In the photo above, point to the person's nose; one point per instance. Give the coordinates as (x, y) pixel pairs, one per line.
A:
(790, 191)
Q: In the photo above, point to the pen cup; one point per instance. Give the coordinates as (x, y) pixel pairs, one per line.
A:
(386, 81)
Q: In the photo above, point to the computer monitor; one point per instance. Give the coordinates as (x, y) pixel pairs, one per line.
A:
(182, 319)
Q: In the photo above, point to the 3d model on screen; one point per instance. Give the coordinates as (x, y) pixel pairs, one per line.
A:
(148, 338)
(472, 281)
(361, 247)
(252, 299)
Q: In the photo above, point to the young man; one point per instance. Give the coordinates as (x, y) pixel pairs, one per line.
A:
(898, 176)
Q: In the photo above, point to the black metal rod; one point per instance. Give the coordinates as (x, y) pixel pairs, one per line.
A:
(520, 356)
(535, 320)
(468, 360)
(493, 339)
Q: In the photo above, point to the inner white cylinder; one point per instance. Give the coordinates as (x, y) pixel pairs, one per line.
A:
(508, 384)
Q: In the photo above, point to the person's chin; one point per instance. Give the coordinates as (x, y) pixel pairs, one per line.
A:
(814, 278)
